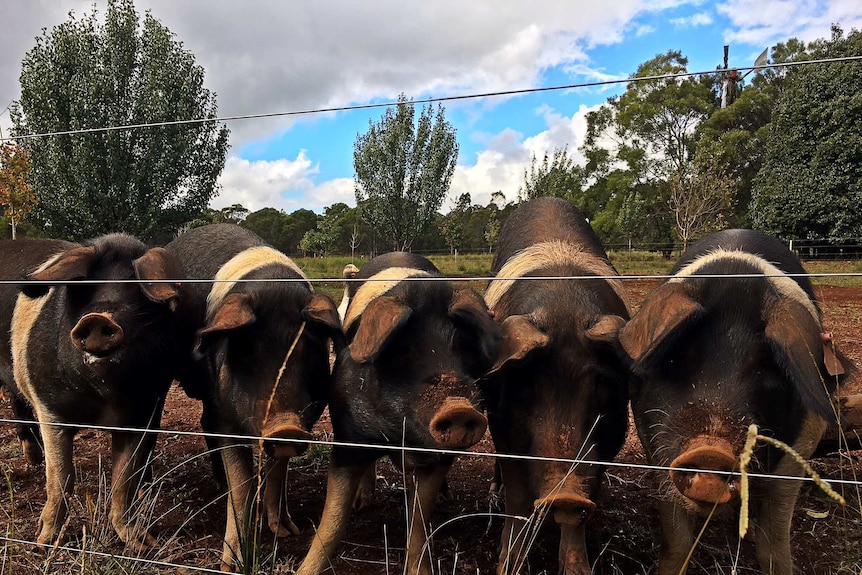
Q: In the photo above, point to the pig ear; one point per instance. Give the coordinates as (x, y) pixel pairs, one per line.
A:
(322, 311)
(794, 337)
(606, 330)
(469, 310)
(666, 310)
(159, 264)
(73, 264)
(380, 320)
(520, 338)
(234, 312)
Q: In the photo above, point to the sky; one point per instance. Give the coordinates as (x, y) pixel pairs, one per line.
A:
(268, 56)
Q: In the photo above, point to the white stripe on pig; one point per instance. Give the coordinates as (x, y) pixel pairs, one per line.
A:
(240, 266)
(551, 253)
(27, 311)
(374, 287)
(783, 284)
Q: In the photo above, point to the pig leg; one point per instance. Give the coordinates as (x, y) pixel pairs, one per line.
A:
(573, 550)
(59, 481)
(519, 506)
(365, 492)
(277, 516)
(341, 486)
(423, 486)
(129, 454)
(777, 500)
(677, 537)
(28, 433)
(239, 531)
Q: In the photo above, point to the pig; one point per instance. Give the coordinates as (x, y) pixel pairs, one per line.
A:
(17, 259)
(559, 386)
(407, 378)
(711, 356)
(95, 353)
(348, 273)
(262, 367)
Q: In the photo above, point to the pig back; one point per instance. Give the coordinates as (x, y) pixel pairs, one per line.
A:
(753, 242)
(542, 220)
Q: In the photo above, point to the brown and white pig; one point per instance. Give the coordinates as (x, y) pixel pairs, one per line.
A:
(263, 365)
(416, 347)
(18, 259)
(713, 355)
(87, 350)
(559, 388)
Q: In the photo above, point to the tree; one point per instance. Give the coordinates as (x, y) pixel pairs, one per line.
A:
(492, 231)
(324, 238)
(701, 198)
(810, 185)
(557, 176)
(403, 170)
(452, 224)
(16, 193)
(637, 141)
(271, 225)
(233, 214)
(144, 181)
(650, 127)
(738, 133)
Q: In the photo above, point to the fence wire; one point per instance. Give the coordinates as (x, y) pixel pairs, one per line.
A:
(252, 440)
(434, 100)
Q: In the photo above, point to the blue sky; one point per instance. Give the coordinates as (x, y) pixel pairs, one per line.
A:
(264, 56)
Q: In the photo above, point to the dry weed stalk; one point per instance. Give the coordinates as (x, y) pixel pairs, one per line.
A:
(745, 459)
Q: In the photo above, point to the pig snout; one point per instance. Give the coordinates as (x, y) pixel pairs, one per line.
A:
(285, 428)
(700, 472)
(458, 425)
(97, 334)
(568, 507)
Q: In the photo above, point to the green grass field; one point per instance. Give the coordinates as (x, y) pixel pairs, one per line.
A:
(826, 272)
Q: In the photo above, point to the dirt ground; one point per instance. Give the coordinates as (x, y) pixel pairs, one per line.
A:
(188, 511)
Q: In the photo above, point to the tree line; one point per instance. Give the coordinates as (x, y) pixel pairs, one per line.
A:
(665, 161)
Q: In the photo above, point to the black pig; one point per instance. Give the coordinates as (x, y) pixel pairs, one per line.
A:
(559, 388)
(406, 379)
(714, 355)
(100, 353)
(264, 367)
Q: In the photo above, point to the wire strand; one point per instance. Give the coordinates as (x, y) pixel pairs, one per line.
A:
(425, 279)
(431, 100)
(252, 439)
(155, 562)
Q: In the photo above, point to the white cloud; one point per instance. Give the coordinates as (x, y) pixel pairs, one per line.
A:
(765, 22)
(282, 184)
(501, 166)
(263, 56)
(259, 184)
(643, 30)
(699, 19)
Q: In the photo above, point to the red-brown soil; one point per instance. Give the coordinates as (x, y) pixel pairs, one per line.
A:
(188, 513)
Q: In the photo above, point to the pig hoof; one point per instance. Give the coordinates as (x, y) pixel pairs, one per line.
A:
(365, 493)
(135, 541)
(32, 452)
(45, 537)
(284, 529)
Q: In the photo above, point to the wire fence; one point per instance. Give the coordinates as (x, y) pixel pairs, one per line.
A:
(814, 249)
(852, 482)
